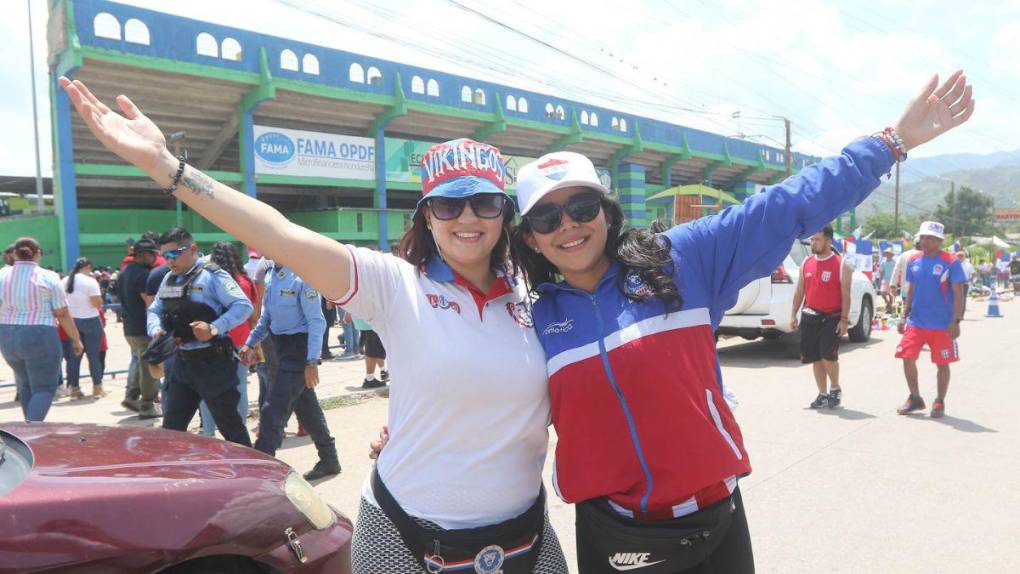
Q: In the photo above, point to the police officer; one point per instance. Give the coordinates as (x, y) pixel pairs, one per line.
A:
(292, 317)
(198, 303)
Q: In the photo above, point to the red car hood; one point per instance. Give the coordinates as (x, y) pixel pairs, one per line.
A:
(90, 451)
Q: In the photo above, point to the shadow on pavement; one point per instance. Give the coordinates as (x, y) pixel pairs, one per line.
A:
(772, 353)
(962, 425)
(845, 413)
(10, 405)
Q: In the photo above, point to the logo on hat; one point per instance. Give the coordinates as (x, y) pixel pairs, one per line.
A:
(448, 161)
(554, 169)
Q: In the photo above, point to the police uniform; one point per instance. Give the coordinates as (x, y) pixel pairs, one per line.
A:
(292, 317)
(203, 371)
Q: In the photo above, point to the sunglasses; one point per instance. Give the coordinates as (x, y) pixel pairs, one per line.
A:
(175, 253)
(485, 206)
(582, 208)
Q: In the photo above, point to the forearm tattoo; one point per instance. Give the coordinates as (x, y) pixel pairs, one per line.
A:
(198, 182)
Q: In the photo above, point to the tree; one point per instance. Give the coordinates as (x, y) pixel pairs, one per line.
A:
(966, 212)
(881, 225)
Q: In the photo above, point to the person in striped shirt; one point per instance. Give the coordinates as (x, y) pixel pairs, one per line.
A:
(32, 302)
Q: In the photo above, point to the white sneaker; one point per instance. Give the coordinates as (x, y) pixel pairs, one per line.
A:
(60, 393)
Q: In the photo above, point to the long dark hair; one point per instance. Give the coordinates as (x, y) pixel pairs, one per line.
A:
(80, 264)
(226, 255)
(637, 250)
(417, 246)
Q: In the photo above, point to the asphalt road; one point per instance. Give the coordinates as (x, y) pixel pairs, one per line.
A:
(856, 489)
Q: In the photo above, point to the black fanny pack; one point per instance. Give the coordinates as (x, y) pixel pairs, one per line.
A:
(654, 547)
(510, 547)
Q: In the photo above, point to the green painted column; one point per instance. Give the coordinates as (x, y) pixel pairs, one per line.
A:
(630, 185)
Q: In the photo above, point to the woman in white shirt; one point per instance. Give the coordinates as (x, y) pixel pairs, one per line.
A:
(85, 302)
(459, 485)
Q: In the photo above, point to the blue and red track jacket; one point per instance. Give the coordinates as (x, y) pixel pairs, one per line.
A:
(637, 398)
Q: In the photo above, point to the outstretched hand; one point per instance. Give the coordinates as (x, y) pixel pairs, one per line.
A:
(132, 136)
(936, 110)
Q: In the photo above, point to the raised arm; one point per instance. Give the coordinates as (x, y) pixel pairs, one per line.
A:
(322, 262)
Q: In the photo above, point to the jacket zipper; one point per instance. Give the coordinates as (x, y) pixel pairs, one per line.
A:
(623, 404)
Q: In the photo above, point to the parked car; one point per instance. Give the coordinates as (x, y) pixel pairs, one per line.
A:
(78, 498)
(763, 308)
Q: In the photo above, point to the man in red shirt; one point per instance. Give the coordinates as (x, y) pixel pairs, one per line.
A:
(824, 289)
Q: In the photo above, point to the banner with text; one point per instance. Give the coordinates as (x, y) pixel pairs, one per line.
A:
(281, 151)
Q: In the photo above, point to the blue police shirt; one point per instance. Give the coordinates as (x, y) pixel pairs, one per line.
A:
(218, 290)
(290, 307)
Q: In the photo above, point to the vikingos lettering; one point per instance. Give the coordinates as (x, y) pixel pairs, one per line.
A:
(460, 158)
(441, 302)
(329, 149)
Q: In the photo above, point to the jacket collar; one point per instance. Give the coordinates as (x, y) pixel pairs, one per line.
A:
(614, 269)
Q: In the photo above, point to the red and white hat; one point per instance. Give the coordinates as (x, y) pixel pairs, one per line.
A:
(555, 171)
(461, 168)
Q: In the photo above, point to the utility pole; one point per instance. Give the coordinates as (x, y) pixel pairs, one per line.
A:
(787, 155)
(952, 194)
(35, 114)
(896, 209)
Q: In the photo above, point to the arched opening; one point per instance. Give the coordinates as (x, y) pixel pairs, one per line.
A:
(465, 95)
(106, 25)
(623, 125)
(433, 88)
(356, 74)
(593, 120)
(550, 111)
(561, 113)
(136, 32)
(374, 76)
(417, 85)
(230, 49)
(288, 60)
(615, 124)
(310, 64)
(511, 104)
(206, 45)
(479, 97)
(522, 105)
(584, 117)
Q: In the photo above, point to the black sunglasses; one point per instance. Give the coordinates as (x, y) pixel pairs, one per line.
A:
(582, 208)
(485, 206)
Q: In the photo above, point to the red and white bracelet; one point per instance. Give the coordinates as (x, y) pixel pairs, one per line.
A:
(894, 142)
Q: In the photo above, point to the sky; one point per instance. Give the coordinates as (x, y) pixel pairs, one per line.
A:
(836, 69)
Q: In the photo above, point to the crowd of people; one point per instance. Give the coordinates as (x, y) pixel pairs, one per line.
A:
(494, 329)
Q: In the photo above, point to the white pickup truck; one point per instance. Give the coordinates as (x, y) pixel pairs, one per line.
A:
(764, 306)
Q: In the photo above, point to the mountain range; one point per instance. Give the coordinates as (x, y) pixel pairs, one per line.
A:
(924, 182)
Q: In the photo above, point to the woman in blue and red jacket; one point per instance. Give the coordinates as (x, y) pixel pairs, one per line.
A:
(648, 446)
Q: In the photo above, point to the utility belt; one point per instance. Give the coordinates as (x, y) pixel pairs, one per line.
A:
(656, 547)
(510, 547)
(219, 348)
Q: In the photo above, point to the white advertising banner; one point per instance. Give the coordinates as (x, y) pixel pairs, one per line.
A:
(281, 151)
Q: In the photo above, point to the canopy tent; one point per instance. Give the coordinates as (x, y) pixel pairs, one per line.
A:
(697, 189)
(993, 240)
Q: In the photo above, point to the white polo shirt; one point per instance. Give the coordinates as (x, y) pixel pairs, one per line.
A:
(469, 403)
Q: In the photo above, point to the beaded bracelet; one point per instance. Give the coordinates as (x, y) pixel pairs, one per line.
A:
(894, 142)
(170, 189)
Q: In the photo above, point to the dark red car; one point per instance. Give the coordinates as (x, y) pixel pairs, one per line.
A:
(87, 498)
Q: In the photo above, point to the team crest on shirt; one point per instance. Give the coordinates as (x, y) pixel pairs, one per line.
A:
(521, 313)
(937, 269)
(636, 286)
(490, 560)
(826, 275)
(441, 302)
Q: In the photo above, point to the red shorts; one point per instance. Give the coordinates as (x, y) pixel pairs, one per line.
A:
(943, 347)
